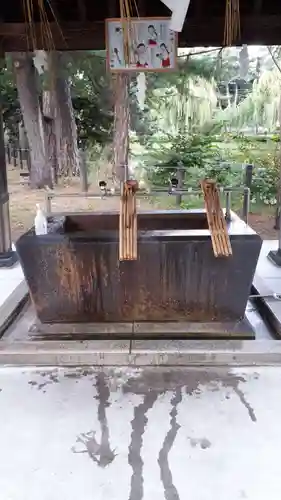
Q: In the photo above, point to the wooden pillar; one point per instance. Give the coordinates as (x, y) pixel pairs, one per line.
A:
(121, 126)
(120, 87)
(8, 257)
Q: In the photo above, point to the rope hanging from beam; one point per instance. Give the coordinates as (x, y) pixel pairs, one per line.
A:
(232, 31)
(127, 8)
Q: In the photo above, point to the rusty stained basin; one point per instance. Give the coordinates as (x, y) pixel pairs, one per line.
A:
(74, 274)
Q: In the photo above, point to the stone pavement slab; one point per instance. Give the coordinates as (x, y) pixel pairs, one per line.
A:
(133, 434)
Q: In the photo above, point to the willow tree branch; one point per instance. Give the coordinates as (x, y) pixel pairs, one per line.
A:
(189, 54)
(274, 59)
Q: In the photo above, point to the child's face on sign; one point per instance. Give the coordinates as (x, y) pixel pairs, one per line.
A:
(141, 49)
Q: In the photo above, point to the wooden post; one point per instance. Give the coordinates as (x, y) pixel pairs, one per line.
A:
(14, 156)
(121, 126)
(7, 256)
(28, 160)
(20, 157)
(9, 153)
(120, 87)
(83, 171)
(23, 145)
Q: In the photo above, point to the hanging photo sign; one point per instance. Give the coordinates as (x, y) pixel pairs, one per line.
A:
(141, 44)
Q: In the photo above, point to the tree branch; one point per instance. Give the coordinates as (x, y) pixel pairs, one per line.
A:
(189, 54)
(274, 58)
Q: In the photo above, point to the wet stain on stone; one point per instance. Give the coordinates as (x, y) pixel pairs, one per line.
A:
(101, 454)
(52, 379)
(213, 380)
(74, 375)
(41, 386)
(134, 457)
(152, 384)
(79, 373)
(192, 380)
(204, 443)
(170, 490)
(32, 382)
(244, 401)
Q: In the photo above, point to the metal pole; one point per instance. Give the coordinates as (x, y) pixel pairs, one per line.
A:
(248, 184)
(228, 206)
(275, 255)
(180, 177)
(48, 204)
(246, 204)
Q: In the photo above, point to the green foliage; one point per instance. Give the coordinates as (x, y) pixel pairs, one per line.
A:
(193, 153)
(263, 153)
(9, 100)
(91, 97)
(188, 108)
(194, 118)
(265, 183)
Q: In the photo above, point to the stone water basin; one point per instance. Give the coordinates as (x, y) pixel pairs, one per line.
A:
(74, 274)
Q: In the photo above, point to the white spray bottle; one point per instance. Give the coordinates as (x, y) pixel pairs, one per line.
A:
(40, 222)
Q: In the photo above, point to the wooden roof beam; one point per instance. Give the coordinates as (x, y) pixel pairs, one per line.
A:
(89, 36)
(113, 11)
(82, 9)
(257, 7)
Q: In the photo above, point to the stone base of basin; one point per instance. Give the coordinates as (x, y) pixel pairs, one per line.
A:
(74, 274)
(141, 330)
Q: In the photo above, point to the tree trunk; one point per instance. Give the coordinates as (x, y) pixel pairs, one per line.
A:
(121, 126)
(27, 85)
(65, 126)
(51, 148)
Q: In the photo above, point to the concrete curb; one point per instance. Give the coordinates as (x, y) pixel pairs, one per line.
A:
(88, 354)
(12, 306)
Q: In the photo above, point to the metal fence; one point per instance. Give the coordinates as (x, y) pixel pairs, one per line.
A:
(18, 157)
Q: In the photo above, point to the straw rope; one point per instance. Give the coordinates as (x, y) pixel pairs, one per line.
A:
(232, 22)
(216, 221)
(46, 37)
(128, 222)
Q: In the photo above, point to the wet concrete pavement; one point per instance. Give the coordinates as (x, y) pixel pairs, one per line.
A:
(133, 434)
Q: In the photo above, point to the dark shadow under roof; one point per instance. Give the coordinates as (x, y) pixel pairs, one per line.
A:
(79, 24)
